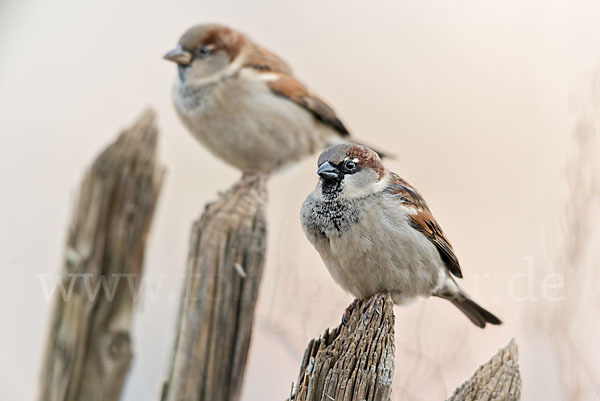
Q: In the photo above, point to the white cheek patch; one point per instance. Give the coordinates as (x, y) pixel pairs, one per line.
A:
(382, 184)
(352, 191)
(228, 71)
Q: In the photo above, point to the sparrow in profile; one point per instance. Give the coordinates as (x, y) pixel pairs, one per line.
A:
(376, 234)
(244, 104)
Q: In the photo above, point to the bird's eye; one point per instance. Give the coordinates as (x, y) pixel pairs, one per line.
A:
(350, 165)
(205, 50)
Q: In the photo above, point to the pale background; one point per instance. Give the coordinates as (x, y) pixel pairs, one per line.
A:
(474, 97)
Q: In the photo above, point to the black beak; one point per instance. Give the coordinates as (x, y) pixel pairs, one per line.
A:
(328, 172)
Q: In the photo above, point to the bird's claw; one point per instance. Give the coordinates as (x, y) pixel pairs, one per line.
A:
(345, 317)
(348, 312)
(374, 303)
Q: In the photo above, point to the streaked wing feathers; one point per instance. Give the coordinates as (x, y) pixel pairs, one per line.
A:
(263, 60)
(424, 221)
(281, 81)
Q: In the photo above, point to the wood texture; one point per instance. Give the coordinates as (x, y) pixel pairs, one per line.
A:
(496, 380)
(225, 266)
(351, 363)
(89, 346)
(356, 363)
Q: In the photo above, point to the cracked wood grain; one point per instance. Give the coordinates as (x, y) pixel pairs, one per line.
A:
(89, 348)
(496, 380)
(225, 266)
(353, 362)
(356, 363)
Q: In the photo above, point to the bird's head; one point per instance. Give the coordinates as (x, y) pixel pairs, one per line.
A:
(350, 171)
(206, 50)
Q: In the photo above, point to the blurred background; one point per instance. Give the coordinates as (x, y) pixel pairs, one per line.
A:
(492, 109)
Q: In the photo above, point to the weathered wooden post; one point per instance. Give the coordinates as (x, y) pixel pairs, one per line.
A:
(225, 266)
(496, 380)
(89, 346)
(356, 362)
(353, 362)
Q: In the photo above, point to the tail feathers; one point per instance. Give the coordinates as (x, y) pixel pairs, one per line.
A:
(478, 315)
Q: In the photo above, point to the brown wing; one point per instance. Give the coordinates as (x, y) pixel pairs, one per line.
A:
(282, 82)
(263, 60)
(424, 221)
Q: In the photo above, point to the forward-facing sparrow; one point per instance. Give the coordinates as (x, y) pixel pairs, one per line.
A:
(376, 234)
(244, 104)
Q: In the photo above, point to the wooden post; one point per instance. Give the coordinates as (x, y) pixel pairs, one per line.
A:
(89, 346)
(351, 363)
(356, 363)
(496, 380)
(225, 266)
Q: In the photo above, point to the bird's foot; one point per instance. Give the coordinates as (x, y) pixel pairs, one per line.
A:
(249, 177)
(374, 303)
(348, 312)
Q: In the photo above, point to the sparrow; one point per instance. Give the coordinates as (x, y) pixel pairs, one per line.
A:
(376, 234)
(244, 104)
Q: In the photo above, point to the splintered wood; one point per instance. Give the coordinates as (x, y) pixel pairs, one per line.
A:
(225, 266)
(496, 380)
(89, 347)
(351, 363)
(356, 363)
